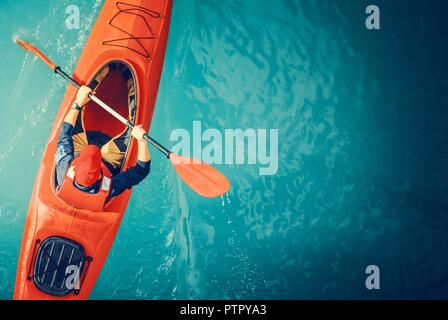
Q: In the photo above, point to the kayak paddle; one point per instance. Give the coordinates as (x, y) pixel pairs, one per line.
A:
(199, 176)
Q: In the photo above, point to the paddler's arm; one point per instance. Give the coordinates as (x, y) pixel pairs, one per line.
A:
(133, 176)
(65, 152)
(143, 150)
(82, 97)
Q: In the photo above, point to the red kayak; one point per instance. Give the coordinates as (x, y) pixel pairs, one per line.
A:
(63, 247)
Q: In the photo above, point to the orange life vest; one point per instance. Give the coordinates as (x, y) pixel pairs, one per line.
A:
(70, 194)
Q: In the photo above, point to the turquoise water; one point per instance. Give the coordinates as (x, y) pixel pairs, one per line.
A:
(362, 151)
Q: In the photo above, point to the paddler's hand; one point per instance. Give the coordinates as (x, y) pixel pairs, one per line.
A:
(143, 151)
(139, 133)
(82, 97)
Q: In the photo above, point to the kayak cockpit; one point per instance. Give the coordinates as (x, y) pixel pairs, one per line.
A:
(114, 84)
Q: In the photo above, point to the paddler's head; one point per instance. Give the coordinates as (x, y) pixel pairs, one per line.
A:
(88, 166)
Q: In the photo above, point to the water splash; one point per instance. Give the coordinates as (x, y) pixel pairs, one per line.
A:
(223, 203)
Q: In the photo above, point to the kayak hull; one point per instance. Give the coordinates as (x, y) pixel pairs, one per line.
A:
(48, 216)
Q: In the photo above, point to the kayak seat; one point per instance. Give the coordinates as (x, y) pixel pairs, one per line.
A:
(115, 85)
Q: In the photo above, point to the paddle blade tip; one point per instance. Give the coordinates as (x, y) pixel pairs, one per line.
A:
(21, 43)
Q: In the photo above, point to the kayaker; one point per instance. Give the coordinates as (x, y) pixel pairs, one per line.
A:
(87, 173)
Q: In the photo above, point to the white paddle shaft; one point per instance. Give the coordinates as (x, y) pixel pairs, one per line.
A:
(110, 110)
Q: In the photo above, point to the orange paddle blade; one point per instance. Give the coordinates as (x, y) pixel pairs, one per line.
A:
(28, 47)
(201, 177)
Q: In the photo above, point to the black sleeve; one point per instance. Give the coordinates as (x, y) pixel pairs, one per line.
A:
(65, 151)
(129, 178)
